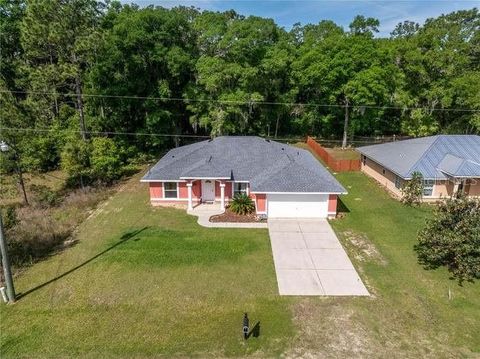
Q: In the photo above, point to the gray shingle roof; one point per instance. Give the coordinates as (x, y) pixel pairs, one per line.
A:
(269, 166)
(436, 157)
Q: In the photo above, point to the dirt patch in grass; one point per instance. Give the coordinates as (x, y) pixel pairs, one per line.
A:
(229, 216)
(362, 248)
(328, 330)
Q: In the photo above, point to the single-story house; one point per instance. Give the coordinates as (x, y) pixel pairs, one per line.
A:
(449, 164)
(282, 180)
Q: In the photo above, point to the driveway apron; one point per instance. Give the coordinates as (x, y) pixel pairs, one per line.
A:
(309, 259)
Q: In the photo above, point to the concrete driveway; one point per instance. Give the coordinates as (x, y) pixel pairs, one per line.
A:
(309, 259)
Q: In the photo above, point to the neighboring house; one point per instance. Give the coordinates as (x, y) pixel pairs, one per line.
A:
(282, 180)
(449, 164)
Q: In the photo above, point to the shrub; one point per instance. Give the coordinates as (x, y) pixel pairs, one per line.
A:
(412, 191)
(105, 159)
(9, 216)
(452, 239)
(36, 235)
(242, 204)
(45, 196)
(75, 161)
(34, 232)
(87, 162)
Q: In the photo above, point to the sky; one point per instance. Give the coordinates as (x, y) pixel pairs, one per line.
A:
(288, 12)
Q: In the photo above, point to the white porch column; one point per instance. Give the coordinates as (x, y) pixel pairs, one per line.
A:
(189, 188)
(222, 195)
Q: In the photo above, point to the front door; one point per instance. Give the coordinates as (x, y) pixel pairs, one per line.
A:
(208, 190)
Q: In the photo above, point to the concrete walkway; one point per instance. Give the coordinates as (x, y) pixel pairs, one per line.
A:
(309, 259)
(205, 211)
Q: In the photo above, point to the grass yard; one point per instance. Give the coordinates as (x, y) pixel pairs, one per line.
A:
(144, 282)
(340, 154)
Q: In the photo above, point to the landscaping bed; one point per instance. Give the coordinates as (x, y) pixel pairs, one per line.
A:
(229, 216)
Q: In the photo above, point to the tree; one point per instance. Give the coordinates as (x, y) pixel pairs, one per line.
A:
(364, 26)
(405, 29)
(146, 52)
(230, 70)
(347, 71)
(412, 190)
(185, 71)
(75, 161)
(11, 14)
(59, 40)
(105, 160)
(451, 239)
(12, 119)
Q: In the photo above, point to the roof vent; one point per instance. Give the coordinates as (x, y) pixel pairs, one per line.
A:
(283, 149)
(267, 140)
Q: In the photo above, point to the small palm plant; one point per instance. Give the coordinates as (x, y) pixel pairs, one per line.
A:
(242, 204)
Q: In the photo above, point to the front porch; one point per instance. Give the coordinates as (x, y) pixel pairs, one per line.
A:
(209, 192)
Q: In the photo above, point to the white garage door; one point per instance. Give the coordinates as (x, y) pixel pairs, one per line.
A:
(297, 205)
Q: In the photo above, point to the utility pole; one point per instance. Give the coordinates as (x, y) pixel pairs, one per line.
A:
(345, 125)
(6, 265)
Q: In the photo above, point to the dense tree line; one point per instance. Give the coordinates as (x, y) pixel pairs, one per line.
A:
(70, 68)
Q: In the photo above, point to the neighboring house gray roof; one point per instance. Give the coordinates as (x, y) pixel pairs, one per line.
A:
(269, 166)
(435, 157)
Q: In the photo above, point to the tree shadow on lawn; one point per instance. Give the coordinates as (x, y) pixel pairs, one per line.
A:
(124, 238)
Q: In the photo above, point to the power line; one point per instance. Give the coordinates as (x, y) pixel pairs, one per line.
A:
(30, 129)
(300, 138)
(235, 102)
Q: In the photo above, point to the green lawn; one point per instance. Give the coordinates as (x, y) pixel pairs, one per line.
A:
(157, 283)
(143, 282)
(346, 154)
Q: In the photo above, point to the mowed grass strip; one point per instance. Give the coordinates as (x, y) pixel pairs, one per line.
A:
(146, 281)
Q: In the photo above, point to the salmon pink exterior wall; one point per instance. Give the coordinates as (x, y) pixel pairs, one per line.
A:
(156, 190)
(261, 202)
(156, 193)
(182, 190)
(197, 190)
(228, 191)
(332, 205)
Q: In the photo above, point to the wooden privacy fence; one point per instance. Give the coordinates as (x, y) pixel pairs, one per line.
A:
(335, 164)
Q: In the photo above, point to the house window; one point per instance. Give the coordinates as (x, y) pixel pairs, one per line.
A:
(364, 160)
(383, 171)
(428, 187)
(170, 190)
(239, 187)
(398, 182)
